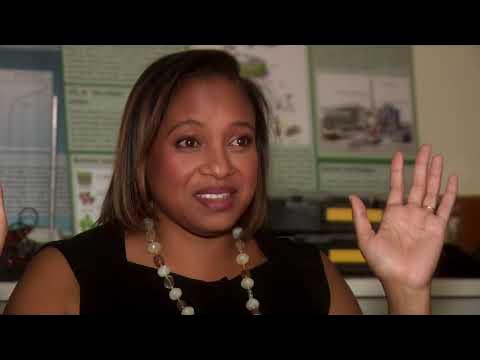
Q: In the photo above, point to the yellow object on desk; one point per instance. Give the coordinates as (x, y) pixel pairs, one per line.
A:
(346, 256)
(345, 215)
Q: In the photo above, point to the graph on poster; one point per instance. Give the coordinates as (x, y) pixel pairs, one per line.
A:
(25, 110)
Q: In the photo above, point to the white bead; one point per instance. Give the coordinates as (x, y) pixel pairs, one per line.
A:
(242, 259)
(163, 271)
(175, 294)
(247, 283)
(188, 310)
(237, 232)
(154, 248)
(252, 304)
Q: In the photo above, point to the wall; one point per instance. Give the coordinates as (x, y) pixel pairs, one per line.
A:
(447, 86)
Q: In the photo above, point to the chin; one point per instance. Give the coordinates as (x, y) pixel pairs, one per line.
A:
(211, 227)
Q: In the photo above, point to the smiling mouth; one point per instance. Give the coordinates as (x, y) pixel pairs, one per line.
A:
(215, 200)
(214, 196)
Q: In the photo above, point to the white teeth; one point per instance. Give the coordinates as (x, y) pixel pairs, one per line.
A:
(214, 196)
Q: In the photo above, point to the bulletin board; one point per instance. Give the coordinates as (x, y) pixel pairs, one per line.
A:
(339, 114)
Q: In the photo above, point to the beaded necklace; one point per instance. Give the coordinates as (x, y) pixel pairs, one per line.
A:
(175, 293)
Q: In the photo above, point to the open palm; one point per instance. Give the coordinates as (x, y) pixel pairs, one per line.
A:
(406, 248)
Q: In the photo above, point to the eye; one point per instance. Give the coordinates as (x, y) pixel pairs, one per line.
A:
(242, 141)
(187, 143)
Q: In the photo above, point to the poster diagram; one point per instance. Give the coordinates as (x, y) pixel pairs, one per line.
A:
(282, 73)
(91, 176)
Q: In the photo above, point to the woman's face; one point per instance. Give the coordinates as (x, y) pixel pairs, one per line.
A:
(203, 165)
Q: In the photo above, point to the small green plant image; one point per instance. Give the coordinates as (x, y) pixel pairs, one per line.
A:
(86, 223)
(253, 67)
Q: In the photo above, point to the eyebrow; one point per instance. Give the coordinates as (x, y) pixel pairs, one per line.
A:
(199, 124)
(184, 123)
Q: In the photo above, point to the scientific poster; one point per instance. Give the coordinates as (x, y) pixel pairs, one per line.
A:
(363, 114)
(282, 72)
(25, 141)
(97, 82)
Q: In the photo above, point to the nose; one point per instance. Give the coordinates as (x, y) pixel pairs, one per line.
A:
(217, 163)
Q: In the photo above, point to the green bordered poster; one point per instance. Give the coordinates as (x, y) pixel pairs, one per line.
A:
(97, 80)
(363, 112)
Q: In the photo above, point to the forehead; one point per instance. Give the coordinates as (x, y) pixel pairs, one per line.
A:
(212, 100)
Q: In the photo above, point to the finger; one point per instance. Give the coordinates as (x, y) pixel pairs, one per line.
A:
(434, 181)
(3, 220)
(448, 199)
(417, 193)
(396, 180)
(363, 228)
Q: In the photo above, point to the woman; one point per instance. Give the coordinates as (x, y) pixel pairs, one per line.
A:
(180, 229)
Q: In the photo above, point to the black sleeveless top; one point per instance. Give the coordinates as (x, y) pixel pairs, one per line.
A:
(291, 281)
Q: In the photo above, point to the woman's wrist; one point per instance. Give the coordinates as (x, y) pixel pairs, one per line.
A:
(404, 300)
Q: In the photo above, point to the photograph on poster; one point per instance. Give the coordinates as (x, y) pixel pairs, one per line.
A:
(359, 113)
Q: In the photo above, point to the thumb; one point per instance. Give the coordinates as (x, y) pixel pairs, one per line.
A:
(363, 228)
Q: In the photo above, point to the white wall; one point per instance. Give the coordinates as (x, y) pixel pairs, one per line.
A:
(447, 86)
